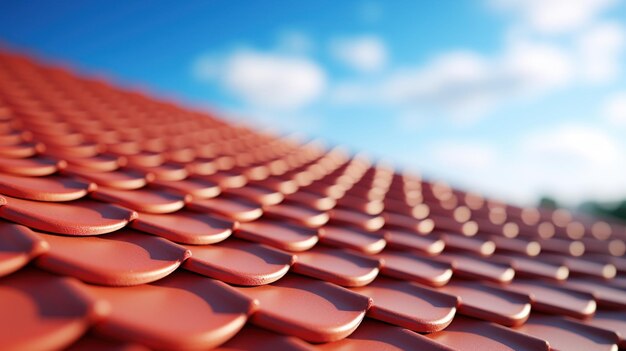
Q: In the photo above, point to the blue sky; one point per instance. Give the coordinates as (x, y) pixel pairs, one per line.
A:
(512, 98)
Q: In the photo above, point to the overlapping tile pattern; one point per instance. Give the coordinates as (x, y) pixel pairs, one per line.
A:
(132, 223)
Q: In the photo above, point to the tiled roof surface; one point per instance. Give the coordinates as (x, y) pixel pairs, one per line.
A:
(130, 223)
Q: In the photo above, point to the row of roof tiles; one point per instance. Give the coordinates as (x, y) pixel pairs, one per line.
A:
(152, 226)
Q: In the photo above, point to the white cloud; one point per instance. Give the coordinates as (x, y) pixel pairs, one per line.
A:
(536, 67)
(458, 82)
(572, 144)
(554, 16)
(465, 84)
(570, 162)
(614, 109)
(364, 54)
(574, 163)
(601, 51)
(265, 80)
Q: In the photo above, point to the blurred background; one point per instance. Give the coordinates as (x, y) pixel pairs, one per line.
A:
(522, 100)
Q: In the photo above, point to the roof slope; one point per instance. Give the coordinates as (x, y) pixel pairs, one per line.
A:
(131, 223)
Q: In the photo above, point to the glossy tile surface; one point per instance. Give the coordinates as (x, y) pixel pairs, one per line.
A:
(130, 223)
(239, 262)
(73, 218)
(185, 227)
(409, 305)
(331, 313)
(204, 311)
(122, 258)
(43, 311)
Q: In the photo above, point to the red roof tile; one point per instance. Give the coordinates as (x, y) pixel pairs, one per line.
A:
(409, 305)
(42, 311)
(185, 227)
(287, 246)
(330, 313)
(122, 258)
(183, 310)
(239, 262)
(82, 217)
(18, 246)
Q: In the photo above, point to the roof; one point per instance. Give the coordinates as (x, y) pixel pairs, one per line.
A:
(132, 223)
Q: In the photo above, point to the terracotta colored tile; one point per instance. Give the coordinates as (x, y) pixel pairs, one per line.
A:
(474, 267)
(227, 179)
(165, 172)
(30, 167)
(21, 150)
(490, 303)
(515, 245)
(319, 311)
(18, 245)
(359, 219)
(185, 227)
(91, 342)
(337, 266)
(121, 179)
(85, 149)
(408, 266)
(183, 155)
(614, 247)
(99, 163)
(360, 204)
(181, 311)
(254, 338)
(331, 190)
(197, 187)
(11, 138)
(553, 299)
(122, 258)
(401, 221)
(564, 334)
(142, 200)
(258, 194)
(236, 209)
(562, 262)
(144, 159)
(81, 217)
(202, 166)
(352, 238)
(280, 235)
(54, 188)
(372, 335)
(605, 295)
(405, 240)
(582, 267)
(42, 311)
(618, 262)
(298, 214)
(449, 224)
(408, 305)
(506, 229)
(470, 334)
(317, 201)
(125, 147)
(285, 186)
(239, 262)
(614, 321)
(531, 267)
(562, 246)
(474, 245)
